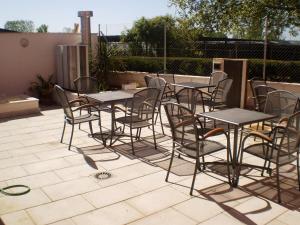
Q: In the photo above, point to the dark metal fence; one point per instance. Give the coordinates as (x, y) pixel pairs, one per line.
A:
(195, 58)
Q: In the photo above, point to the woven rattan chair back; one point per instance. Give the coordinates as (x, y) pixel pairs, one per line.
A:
(63, 99)
(214, 79)
(86, 85)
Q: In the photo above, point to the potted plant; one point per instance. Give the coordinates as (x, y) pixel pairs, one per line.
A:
(43, 89)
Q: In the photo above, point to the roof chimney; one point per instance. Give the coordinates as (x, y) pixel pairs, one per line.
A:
(85, 27)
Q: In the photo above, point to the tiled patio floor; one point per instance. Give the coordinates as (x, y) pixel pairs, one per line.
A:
(64, 190)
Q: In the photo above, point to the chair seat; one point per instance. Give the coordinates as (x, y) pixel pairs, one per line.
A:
(83, 118)
(135, 121)
(259, 150)
(205, 147)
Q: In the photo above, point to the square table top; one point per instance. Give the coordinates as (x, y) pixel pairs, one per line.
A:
(110, 96)
(238, 116)
(193, 85)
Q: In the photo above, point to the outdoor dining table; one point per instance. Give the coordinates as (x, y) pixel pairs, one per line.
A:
(237, 117)
(111, 98)
(192, 85)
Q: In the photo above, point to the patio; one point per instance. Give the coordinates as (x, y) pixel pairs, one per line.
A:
(64, 190)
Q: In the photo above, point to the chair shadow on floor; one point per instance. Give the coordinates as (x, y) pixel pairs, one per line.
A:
(97, 153)
(264, 188)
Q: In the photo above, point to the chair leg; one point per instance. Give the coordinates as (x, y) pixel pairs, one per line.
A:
(154, 138)
(278, 184)
(203, 160)
(170, 165)
(131, 139)
(79, 125)
(63, 132)
(71, 137)
(194, 176)
(91, 128)
(298, 170)
(161, 123)
(100, 128)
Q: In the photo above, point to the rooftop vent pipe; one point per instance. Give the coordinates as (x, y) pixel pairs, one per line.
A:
(85, 27)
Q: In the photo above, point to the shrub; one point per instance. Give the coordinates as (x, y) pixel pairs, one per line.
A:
(284, 71)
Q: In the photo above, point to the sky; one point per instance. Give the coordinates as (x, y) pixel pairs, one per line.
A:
(112, 15)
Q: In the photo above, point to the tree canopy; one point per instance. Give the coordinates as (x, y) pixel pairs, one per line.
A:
(20, 25)
(42, 29)
(147, 36)
(240, 18)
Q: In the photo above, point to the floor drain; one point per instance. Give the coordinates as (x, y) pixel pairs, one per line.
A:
(102, 175)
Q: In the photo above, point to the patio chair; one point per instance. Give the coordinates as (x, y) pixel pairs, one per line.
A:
(147, 79)
(261, 92)
(139, 113)
(218, 98)
(254, 82)
(89, 85)
(193, 100)
(214, 79)
(281, 147)
(280, 103)
(170, 79)
(69, 117)
(188, 142)
(164, 96)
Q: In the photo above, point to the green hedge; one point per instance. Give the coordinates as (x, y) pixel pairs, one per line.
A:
(286, 71)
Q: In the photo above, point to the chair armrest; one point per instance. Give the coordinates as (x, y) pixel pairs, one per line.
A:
(77, 100)
(119, 108)
(207, 94)
(260, 135)
(283, 120)
(88, 106)
(184, 123)
(213, 132)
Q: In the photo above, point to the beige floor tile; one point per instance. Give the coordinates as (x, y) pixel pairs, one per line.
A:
(116, 214)
(12, 203)
(64, 222)
(59, 210)
(5, 155)
(128, 173)
(166, 217)
(17, 161)
(10, 145)
(277, 222)
(75, 172)
(199, 209)
(157, 200)
(44, 166)
(53, 154)
(17, 218)
(224, 219)
(260, 210)
(290, 217)
(113, 194)
(37, 180)
(70, 188)
(12, 172)
(150, 182)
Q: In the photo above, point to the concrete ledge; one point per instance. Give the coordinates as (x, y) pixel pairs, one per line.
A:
(18, 105)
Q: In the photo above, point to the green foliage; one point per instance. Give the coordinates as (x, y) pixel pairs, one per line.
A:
(102, 63)
(191, 66)
(241, 19)
(146, 37)
(43, 88)
(20, 25)
(283, 71)
(42, 29)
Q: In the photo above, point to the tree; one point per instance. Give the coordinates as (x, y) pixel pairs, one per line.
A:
(146, 37)
(20, 25)
(240, 19)
(42, 29)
